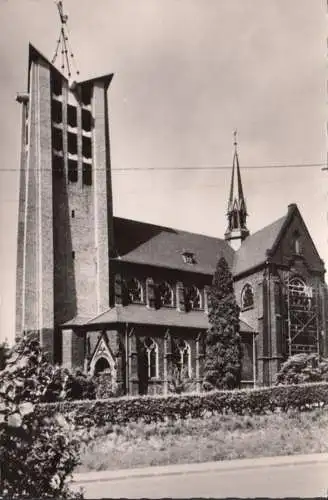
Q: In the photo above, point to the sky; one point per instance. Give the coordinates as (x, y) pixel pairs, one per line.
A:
(187, 73)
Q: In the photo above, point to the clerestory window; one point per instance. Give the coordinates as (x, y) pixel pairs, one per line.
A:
(193, 298)
(165, 294)
(133, 291)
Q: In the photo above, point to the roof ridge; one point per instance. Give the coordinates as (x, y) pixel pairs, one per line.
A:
(175, 229)
(268, 225)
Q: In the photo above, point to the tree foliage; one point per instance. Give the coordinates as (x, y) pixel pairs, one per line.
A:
(4, 352)
(303, 368)
(222, 368)
(36, 453)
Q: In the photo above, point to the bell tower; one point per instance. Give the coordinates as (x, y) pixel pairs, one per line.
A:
(65, 219)
(237, 212)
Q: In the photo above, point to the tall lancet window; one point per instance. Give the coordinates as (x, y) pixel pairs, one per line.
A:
(151, 349)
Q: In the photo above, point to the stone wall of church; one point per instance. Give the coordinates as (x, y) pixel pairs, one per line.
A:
(138, 381)
(249, 314)
(287, 249)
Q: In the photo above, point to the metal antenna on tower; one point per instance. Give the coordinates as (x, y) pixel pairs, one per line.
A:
(67, 56)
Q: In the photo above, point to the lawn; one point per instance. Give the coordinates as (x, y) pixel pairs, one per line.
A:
(223, 437)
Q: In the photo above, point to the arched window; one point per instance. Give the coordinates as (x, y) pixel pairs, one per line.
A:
(182, 357)
(193, 298)
(297, 287)
(247, 297)
(132, 292)
(151, 349)
(165, 294)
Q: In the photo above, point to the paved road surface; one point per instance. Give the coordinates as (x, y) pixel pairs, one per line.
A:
(240, 478)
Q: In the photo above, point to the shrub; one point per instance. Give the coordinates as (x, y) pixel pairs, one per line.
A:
(4, 351)
(37, 452)
(122, 411)
(104, 385)
(222, 368)
(303, 368)
(179, 382)
(77, 385)
(57, 383)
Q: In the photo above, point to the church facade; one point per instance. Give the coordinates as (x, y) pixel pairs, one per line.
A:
(106, 293)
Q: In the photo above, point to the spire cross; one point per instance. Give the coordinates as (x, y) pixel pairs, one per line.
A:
(235, 143)
(63, 17)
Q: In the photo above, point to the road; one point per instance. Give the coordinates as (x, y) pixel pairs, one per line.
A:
(241, 478)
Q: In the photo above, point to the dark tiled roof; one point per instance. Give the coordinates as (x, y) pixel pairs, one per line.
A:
(137, 314)
(141, 315)
(144, 243)
(253, 250)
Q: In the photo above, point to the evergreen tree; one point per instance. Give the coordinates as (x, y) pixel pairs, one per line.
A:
(222, 369)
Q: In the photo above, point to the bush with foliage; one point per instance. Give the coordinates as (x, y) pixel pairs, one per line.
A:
(303, 368)
(222, 368)
(4, 352)
(179, 381)
(104, 385)
(61, 383)
(37, 452)
(78, 385)
(120, 411)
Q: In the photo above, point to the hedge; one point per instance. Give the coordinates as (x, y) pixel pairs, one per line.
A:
(160, 408)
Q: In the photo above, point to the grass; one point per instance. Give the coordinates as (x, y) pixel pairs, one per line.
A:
(222, 437)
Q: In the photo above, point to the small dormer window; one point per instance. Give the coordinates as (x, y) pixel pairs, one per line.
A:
(188, 257)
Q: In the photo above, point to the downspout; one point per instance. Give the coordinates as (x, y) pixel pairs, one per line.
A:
(269, 325)
(126, 359)
(254, 361)
(323, 321)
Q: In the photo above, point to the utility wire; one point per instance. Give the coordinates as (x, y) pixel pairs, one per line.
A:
(213, 167)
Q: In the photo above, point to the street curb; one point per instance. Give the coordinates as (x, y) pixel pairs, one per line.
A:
(222, 466)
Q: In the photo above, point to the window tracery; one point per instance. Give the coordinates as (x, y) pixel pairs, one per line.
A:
(151, 349)
(133, 291)
(182, 357)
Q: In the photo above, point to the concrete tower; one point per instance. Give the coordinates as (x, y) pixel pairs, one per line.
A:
(65, 227)
(237, 212)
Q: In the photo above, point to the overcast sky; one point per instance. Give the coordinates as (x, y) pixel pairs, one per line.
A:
(186, 74)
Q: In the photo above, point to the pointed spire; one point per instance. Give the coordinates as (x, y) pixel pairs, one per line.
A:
(237, 211)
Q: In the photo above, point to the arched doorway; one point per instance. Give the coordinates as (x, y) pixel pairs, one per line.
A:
(101, 365)
(103, 378)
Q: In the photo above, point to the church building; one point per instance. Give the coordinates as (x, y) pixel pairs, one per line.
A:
(107, 293)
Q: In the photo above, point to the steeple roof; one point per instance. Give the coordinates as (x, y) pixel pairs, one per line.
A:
(236, 187)
(237, 211)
